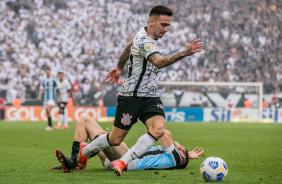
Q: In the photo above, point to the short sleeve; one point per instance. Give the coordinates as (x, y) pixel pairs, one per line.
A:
(147, 48)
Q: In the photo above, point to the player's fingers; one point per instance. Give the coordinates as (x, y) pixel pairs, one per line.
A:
(113, 80)
(198, 150)
(195, 41)
(191, 41)
(110, 79)
(199, 44)
(199, 154)
(195, 149)
(182, 155)
(198, 50)
(107, 80)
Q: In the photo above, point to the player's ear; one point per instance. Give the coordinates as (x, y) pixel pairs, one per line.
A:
(151, 20)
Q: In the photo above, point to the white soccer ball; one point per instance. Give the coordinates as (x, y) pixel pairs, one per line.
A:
(214, 169)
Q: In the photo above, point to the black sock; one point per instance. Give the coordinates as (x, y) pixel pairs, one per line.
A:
(75, 149)
(49, 122)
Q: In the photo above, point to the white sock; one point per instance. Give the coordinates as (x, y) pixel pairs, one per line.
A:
(144, 143)
(65, 120)
(60, 119)
(98, 144)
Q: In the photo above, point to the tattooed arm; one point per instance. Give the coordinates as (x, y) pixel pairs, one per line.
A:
(163, 61)
(114, 74)
(123, 58)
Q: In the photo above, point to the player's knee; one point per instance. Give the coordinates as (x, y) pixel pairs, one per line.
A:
(102, 132)
(84, 120)
(158, 132)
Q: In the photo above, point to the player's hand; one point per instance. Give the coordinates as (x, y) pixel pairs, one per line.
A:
(113, 76)
(196, 153)
(193, 47)
(180, 147)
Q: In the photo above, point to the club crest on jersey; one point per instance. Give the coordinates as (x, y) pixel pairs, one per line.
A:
(126, 119)
(148, 46)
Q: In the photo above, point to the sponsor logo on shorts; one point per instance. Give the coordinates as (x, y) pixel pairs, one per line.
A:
(160, 106)
(126, 119)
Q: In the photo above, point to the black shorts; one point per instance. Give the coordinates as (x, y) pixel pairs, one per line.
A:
(129, 109)
(62, 105)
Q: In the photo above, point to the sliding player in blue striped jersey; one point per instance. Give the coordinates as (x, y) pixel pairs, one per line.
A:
(171, 155)
(48, 89)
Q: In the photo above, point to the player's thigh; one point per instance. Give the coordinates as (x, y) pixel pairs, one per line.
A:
(62, 106)
(152, 114)
(45, 105)
(127, 112)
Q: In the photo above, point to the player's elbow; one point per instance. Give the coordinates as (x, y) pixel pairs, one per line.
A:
(158, 65)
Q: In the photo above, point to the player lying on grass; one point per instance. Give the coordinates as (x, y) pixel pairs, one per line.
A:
(170, 155)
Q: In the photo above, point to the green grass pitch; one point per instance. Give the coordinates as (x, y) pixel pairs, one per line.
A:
(252, 151)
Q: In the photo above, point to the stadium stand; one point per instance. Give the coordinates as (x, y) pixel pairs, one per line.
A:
(85, 38)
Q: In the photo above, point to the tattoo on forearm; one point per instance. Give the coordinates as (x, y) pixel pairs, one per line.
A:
(124, 56)
(168, 60)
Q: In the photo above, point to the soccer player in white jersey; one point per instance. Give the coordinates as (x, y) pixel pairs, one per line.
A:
(138, 96)
(171, 155)
(63, 89)
(48, 88)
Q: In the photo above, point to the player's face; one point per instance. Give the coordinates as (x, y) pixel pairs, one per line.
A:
(61, 77)
(160, 25)
(48, 72)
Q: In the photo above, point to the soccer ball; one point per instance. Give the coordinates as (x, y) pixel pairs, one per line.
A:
(213, 169)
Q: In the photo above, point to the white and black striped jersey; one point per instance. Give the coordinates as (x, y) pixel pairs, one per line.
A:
(63, 88)
(143, 76)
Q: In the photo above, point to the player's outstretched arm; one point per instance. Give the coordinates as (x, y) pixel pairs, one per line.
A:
(162, 61)
(114, 74)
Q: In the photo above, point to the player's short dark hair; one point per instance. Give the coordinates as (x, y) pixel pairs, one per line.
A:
(47, 68)
(61, 72)
(161, 10)
(186, 161)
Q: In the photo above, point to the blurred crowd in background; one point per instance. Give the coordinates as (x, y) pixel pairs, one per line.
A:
(83, 38)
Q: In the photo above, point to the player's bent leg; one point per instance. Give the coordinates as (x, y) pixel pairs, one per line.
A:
(156, 126)
(87, 127)
(116, 136)
(115, 152)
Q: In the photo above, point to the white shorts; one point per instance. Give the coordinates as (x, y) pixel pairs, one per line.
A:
(48, 103)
